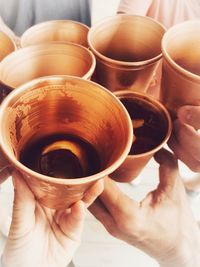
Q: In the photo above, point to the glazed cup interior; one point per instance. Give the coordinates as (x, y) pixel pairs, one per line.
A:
(37, 61)
(180, 83)
(65, 105)
(119, 38)
(127, 50)
(56, 31)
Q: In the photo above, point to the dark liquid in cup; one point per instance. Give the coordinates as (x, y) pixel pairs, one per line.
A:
(152, 131)
(61, 156)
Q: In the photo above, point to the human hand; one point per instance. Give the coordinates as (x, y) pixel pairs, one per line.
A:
(162, 225)
(185, 140)
(40, 236)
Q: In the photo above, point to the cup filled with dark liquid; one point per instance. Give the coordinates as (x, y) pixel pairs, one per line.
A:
(152, 128)
(180, 83)
(63, 133)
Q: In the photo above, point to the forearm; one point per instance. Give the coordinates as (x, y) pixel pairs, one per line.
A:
(194, 262)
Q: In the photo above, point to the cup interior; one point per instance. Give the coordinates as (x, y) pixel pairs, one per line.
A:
(150, 121)
(37, 61)
(181, 46)
(69, 114)
(127, 38)
(56, 31)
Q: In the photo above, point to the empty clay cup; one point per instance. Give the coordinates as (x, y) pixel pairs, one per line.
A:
(180, 84)
(127, 49)
(56, 31)
(36, 61)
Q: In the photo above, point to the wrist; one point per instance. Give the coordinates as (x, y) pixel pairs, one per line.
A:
(185, 255)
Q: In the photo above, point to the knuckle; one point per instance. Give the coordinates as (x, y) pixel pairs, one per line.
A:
(131, 227)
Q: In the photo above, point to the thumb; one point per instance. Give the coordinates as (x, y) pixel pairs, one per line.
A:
(168, 171)
(68, 228)
(93, 192)
(71, 221)
(23, 207)
(190, 115)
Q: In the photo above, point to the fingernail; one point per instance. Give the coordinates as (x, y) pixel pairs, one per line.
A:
(68, 211)
(158, 157)
(82, 203)
(161, 155)
(188, 116)
(58, 216)
(14, 175)
(185, 114)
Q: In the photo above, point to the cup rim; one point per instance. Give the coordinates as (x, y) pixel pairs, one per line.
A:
(81, 180)
(8, 36)
(119, 62)
(166, 55)
(42, 25)
(165, 112)
(34, 48)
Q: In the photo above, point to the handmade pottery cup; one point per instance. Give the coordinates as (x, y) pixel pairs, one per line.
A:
(56, 31)
(152, 128)
(127, 49)
(36, 61)
(180, 83)
(63, 134)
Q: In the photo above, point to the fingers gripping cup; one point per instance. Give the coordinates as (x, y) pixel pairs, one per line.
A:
(63, 134)
(36, 61)
(152, 127)
(127, 49)
(180, 83)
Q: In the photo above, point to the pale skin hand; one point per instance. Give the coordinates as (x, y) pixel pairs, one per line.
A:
(40, 236)
(185, 140)
(162, 225)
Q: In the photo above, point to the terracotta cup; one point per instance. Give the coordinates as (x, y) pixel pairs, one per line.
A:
(152, 128)
(56, 31)
(63, 127)
(127, 49)
(180, 84)
(36, 61)
(7, 45)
